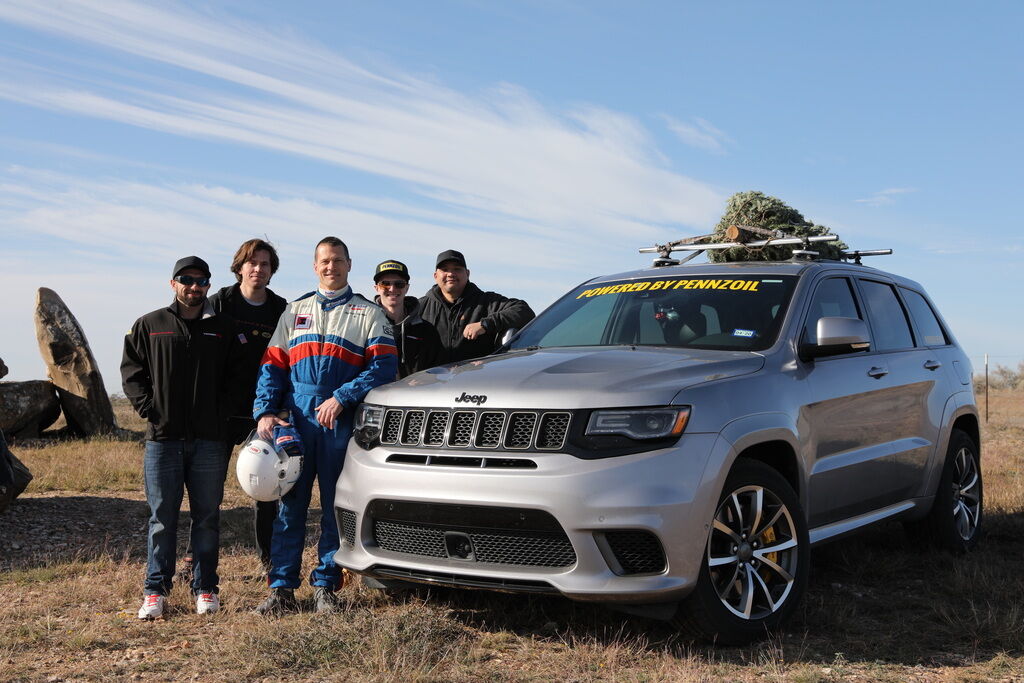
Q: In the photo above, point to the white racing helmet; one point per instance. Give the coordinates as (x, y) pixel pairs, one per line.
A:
(265, 473)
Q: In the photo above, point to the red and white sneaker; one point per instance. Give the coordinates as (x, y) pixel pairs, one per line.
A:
(152, 607)
(207, 603)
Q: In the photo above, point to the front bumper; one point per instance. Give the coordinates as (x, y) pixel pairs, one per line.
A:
(663, 492)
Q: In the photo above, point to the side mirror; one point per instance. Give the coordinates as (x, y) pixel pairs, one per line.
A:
(838, 336)
(507, 337)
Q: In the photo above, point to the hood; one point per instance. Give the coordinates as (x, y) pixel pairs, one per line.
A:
(567, 378)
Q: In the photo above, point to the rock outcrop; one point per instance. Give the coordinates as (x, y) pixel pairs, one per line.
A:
(27, 408)
(14, 476)
(72, 367)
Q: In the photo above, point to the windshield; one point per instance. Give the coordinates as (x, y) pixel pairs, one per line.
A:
(734, 313)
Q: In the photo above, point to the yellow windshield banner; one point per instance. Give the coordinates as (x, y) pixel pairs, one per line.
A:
(655, 285)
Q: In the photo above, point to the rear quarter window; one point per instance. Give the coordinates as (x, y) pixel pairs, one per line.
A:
(927, 323)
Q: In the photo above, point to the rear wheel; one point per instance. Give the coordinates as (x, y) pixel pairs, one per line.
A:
(954, 522)
(756, 560)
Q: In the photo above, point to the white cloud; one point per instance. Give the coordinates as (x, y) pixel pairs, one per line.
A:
(700, 134)
(501, 149)
(885, 197)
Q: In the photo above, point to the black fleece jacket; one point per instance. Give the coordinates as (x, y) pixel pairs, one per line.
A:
(253, 328)
(181, 375)
(497, 313)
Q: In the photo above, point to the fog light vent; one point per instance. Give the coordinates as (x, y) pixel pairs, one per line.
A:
(638, 551)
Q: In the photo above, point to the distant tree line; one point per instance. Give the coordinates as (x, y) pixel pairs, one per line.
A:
(1001, 377)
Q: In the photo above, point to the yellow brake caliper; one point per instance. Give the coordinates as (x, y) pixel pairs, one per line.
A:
(767, 538)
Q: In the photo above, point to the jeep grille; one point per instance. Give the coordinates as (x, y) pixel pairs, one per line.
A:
(493, 430)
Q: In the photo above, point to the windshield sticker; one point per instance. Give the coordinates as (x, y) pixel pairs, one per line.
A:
(742, 333)
(655, 285)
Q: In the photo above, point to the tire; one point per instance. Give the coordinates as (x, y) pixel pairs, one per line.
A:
(756, 561)
(954, 522)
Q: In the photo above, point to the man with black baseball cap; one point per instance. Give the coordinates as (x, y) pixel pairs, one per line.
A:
(469, 320)
(419, 346)
(178, 372)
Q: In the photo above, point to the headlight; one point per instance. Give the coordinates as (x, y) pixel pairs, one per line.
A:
(640, 423)
(366, 428)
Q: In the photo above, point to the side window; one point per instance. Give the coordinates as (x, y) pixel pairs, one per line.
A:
(924, 317)
(888, 319)
(832, 299)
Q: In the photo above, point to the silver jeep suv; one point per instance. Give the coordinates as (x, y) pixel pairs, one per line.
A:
(672, 440)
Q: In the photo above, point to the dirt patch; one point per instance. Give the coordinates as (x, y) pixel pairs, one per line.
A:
(62, 526)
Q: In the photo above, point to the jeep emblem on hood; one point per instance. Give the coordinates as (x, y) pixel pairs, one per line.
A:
(478, 399)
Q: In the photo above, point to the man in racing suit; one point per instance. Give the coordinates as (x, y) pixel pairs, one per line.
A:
(329, 349)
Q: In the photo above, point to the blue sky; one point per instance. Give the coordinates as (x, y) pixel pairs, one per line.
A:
(547, 140)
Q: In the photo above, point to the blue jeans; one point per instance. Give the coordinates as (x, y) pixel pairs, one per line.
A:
(323, 460)
(169, 467)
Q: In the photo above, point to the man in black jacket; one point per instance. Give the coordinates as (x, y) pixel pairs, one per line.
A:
(469, 321)
(419, 346)
(254, 310)
(178, 372)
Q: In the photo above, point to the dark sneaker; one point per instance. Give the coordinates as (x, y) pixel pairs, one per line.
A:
(279, 601)
(325, 600)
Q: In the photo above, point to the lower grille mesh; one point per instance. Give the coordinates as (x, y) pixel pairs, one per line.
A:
(527, 549)
(507, 536)
(414, 539)
(347, 524)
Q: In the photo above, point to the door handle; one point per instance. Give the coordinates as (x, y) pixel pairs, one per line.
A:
(932, 365)
(877, 372)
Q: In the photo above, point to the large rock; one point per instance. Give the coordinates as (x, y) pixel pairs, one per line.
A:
(3, 369)
(14, 476)
(72, 367)
(27, 408)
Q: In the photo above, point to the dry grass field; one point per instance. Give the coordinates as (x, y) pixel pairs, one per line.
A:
(879, 608)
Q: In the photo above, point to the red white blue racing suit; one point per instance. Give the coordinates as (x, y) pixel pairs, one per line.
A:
(322, 347)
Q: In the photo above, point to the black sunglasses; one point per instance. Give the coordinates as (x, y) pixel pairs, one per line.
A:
(192, 280)
(394, 284)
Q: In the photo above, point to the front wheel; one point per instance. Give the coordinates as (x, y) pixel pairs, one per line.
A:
(756, 561)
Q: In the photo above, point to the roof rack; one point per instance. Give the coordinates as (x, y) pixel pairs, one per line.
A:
(743, 236)
(855, 256)
(740, 236)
